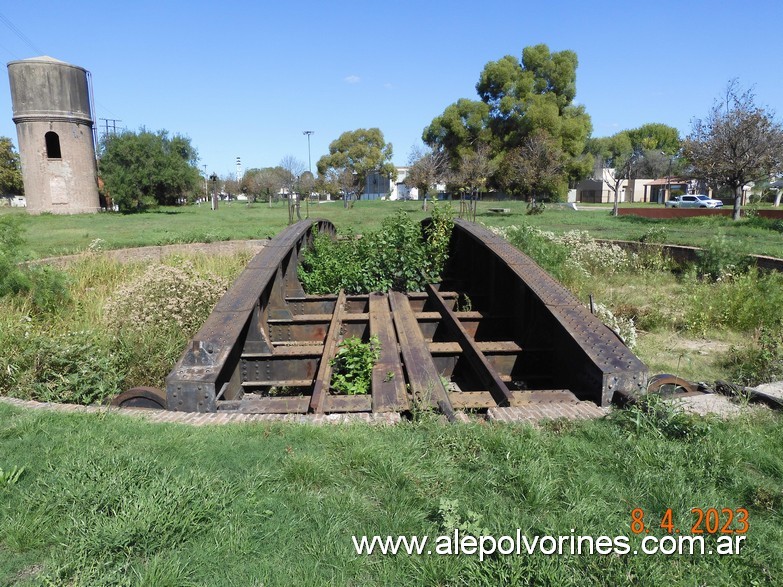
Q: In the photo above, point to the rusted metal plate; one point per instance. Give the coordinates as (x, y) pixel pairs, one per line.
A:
(324, 375)
(347, 403)
(267, 405)
(388, 381)
(423, 376)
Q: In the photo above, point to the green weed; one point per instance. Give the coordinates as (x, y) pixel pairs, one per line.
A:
(352, 365)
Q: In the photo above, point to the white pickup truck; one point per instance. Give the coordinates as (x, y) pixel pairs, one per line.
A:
(693, 201)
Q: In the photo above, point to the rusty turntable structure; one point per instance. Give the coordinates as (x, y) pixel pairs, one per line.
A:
(523, 341)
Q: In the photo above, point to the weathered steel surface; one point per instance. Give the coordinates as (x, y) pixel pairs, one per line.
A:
(584, 355)
(211, 361)
(141, 397)
(423, 377)
(498, 331)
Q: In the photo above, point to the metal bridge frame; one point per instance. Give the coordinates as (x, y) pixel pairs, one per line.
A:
(266, 331)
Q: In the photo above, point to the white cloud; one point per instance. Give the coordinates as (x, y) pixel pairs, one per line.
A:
(352, 79)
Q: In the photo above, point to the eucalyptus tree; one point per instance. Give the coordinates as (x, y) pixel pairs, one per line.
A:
(517, 100)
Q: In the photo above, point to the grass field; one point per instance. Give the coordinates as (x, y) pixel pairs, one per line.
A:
(50, 235)
(110, 500)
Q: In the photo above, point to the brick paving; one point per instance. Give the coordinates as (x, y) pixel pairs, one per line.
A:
(211, 419)
(535, 413)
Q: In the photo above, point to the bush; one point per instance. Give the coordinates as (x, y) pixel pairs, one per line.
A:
(718, 261)
(653, 414)
(624, 327)
(165, 298)
(69, 367)
(45, 287)
(399, 256)
(759, 362)
(352, 365)
(742, 303)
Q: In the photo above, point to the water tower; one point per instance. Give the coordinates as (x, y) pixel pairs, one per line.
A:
(51, 104)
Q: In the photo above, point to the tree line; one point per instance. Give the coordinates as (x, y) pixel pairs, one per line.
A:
(524, 135)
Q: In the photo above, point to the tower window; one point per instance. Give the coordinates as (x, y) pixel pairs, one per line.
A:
(53, 145)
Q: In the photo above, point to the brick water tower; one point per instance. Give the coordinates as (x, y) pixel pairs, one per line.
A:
(54, 123)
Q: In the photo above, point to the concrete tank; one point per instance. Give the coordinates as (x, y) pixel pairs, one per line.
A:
(51, 104)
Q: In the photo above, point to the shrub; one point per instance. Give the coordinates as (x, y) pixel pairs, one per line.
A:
(165, 298)
(742, 303)
(44, 286)
(399, 256)
(759, 362)
(719, 261)
(69, 367)
(624, 327)
(653, 414)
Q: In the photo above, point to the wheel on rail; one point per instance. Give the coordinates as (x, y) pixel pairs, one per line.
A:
(666, 384)
(141, 397)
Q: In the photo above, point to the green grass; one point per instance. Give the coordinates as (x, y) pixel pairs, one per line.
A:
(109, 500)
(50, 234)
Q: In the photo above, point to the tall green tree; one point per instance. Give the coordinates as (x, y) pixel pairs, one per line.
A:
(738, 142)
(10, 169)
(146, 169)
(359, 153)
(519, 99)
(655, 136)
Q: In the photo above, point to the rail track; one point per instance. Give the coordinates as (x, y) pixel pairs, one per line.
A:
(497, 333)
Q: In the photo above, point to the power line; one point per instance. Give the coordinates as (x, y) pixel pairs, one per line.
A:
(20, 34)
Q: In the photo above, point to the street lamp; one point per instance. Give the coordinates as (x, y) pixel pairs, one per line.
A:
(309, 165)
(309, 162)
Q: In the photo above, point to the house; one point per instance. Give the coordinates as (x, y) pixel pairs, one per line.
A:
(599, 189)
(378, 187)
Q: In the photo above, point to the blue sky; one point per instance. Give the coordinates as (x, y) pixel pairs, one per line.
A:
(246, 78)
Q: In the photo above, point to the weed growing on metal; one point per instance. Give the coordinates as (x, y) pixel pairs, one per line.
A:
(352, 365)
(399, 256)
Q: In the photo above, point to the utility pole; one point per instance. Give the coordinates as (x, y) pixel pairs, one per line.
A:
(114, 122)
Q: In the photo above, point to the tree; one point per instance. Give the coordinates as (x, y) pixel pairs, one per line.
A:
(472, 177)
(427, 168)
(655, 137)
(737, 143)
(534, 169)
(519, 99)
(459, 129)
(10, 169)
(145, 169)
(615, 160)
(291, 169)
(359, 153)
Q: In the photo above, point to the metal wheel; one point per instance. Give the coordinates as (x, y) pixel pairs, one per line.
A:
(666, 384)
(141, 397)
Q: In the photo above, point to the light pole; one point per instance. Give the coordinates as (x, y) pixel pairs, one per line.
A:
(309, 166)
(309, 162)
